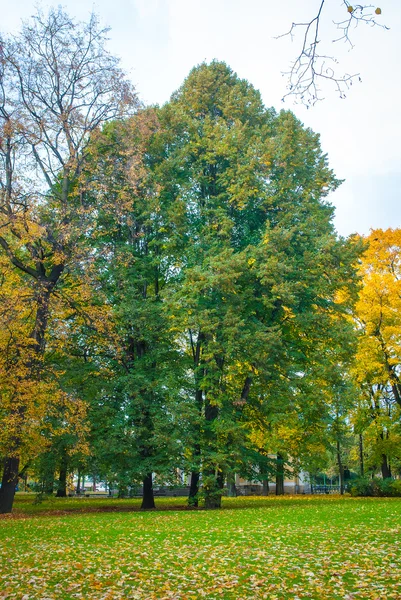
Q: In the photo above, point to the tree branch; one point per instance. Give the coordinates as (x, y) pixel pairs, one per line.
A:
(311, 68)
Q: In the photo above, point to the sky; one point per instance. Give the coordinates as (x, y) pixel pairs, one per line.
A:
(159, 41)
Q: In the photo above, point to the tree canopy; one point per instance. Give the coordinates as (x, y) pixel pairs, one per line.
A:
(175, 296)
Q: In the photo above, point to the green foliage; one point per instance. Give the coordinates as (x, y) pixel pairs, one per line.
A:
(254, 245)
(395, 487)
(208, 320)
(361, 487)
(375, 487)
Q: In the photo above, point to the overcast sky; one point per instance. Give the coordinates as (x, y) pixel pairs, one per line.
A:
(159, 41)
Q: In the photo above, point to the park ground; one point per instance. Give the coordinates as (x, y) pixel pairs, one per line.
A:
(274, 548)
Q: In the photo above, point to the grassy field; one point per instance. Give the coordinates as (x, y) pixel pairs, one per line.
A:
(275, 548)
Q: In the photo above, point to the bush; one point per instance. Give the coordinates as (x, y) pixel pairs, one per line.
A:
(375, 487)
(361, 487)
(383, 487)
(396, 487)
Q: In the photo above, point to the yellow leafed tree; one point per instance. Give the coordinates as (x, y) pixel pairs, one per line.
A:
(378, 360)
(379, 311)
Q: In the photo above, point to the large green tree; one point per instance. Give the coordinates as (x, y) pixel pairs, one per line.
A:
(138, 407)
(259, 265)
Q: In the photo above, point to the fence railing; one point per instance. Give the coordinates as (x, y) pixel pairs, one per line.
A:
(324, 489)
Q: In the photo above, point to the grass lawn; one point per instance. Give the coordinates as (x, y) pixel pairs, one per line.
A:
(275, 548)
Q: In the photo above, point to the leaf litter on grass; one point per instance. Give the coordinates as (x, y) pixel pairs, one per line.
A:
(296, 548)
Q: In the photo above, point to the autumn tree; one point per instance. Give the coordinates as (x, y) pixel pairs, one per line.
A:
(58, 84)
(378, 359)
(49, 406)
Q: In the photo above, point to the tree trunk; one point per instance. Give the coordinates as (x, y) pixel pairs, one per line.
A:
(213, 501)
(42, 316)
(211, 489)
(220, 482)
(198, 375)
(9, 484)
(385, 467)
(148, 500)
(340, 468)
(214, 493)
(37, 336)
(265, 487)
(122, 491)
(231, 489)
(62, 480)
(280, 475)
(78, 488)
(361, 463)
(194, 489)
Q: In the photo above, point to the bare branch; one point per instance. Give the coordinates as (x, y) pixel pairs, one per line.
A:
(312, 70)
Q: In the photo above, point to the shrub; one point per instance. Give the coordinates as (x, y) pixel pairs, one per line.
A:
(396, 487)
(361, 487)
(382, 487)
(375, 487)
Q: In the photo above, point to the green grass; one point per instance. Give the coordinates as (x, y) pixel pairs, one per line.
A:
(274, 548)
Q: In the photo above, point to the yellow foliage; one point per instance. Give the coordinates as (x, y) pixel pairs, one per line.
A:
(378, 310)
(29, 388)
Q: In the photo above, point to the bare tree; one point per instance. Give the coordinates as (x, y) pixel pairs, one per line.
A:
(58, 85)
(312, 70)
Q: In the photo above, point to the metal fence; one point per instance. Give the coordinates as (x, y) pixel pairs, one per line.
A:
(325, 489)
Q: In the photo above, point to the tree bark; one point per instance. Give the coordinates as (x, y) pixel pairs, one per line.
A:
(212, 491)
(265, 487)
(194, 489)
(361, 462)
(9, 484)
(212, 503)
(195, 475)
(148, 500)
(78, 488)
(198, 375)
(340, 468)
(385, 467)
(279, 475)
(62, 480)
